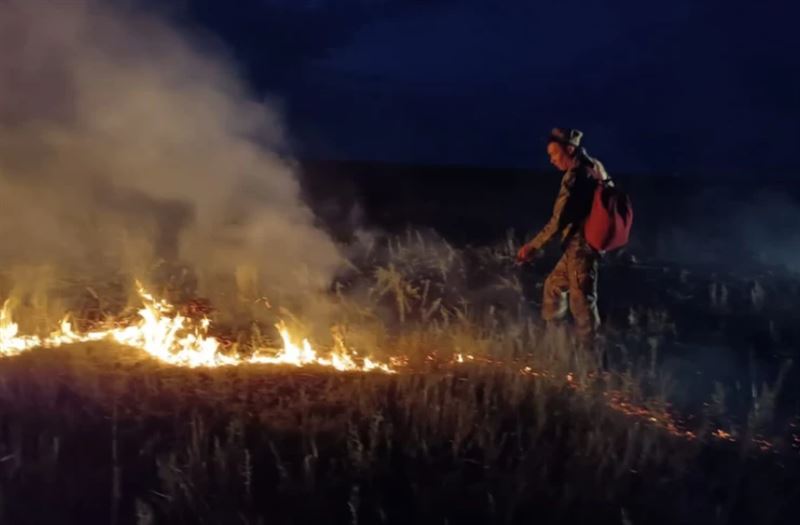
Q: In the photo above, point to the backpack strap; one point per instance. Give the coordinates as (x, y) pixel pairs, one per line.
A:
(596, 169)
(599, 171)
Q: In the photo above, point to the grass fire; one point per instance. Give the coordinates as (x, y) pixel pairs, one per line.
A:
(203, 322)
(448, 399)
(176, 340)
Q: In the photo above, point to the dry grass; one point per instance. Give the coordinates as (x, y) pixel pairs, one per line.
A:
(98, 434)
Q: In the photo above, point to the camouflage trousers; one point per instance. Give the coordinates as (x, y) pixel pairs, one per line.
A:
(575, 276)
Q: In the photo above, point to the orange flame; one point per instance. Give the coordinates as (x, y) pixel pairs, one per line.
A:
(177, 340)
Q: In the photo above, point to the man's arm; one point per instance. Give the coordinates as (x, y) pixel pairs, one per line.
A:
(551, 228)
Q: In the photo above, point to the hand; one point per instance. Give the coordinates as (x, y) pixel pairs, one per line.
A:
(524, 253)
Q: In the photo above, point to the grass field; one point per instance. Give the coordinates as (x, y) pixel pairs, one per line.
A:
(491, 418)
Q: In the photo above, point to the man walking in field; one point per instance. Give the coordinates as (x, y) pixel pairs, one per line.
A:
(575, 275)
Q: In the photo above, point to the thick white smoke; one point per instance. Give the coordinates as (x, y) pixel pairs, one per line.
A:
(124, 142)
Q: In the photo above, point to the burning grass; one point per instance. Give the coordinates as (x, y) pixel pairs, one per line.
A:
(486, 418)
(174, 339)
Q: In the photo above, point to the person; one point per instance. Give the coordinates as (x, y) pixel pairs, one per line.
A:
(575, 274)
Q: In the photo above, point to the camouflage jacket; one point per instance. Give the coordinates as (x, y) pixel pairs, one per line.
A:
(573, 203)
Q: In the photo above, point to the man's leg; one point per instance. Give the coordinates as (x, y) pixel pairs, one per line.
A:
(582, 266)
(554, 301)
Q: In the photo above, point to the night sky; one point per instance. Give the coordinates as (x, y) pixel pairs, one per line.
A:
(681, 87)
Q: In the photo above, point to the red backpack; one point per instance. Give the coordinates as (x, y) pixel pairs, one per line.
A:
(608, 226)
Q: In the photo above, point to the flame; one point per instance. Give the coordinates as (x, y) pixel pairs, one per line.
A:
(177, 340)
(723, 435)
(303, 354)
(172, 338)
(462, 358)
(10, 342)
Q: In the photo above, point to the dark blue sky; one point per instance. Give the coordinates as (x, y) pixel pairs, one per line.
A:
(685, 86)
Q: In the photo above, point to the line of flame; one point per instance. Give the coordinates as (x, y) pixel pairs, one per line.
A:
(178, 340)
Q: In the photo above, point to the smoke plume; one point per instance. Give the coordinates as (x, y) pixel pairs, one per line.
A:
(125, 143)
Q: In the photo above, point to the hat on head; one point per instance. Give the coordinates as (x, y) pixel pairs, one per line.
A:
(567, 137)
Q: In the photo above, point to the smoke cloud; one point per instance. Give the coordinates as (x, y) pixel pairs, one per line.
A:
(125, 142)
(731, 229)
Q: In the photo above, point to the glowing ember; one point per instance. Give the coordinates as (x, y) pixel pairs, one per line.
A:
(178, 340)
(721, 434)
(172, 338)
(660, 417)
(763, 444)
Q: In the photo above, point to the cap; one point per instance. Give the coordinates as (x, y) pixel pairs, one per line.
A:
(566, 136)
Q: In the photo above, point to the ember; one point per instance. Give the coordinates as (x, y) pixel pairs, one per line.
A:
(721, 434)
(660, 417)
(176, 337)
